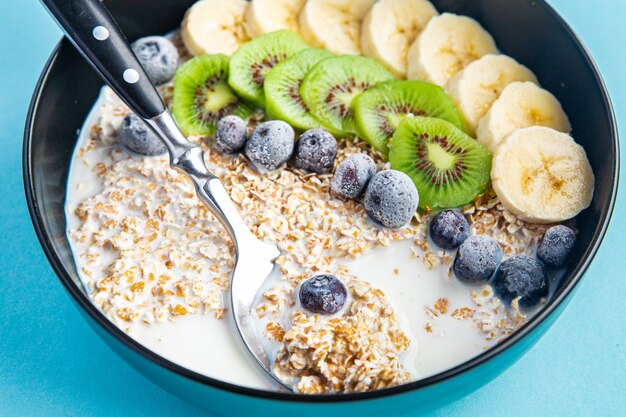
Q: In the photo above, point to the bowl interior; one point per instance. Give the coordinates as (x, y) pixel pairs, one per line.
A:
(527, 30)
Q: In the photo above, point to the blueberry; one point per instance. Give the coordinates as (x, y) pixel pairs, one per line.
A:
(323, 294)
(477, 259)
(448, 229)
(231, 134)
(353, 175)
(556, 246)
(270, 145)
(521, 276)
(135, 135)
(316, 151)
(158, 57)
(391, 198)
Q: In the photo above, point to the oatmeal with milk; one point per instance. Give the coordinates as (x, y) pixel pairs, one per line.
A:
(419, 220)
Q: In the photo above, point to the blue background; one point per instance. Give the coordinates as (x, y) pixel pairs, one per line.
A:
(52, 364)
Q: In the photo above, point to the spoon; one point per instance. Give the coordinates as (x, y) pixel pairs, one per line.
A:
(90, 27)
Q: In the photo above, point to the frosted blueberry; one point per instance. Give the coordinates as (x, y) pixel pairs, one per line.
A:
(231, 134)
(135, 135)
(323, 294)
(158, 57)
(556, 246)
(353, 175)
(391, 198)
(521, 276)
(448, 229)
(270, 146)
(316, 151)
(477, 260)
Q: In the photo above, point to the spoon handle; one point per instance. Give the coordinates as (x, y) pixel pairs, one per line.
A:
(90, 27)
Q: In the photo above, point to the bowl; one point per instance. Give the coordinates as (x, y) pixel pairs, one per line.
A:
(529, 30)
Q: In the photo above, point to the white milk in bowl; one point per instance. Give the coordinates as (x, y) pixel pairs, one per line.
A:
(157, 263)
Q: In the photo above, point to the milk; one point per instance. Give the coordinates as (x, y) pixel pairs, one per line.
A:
(211, 347)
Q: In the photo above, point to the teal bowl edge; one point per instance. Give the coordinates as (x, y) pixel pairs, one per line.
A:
(417, 402)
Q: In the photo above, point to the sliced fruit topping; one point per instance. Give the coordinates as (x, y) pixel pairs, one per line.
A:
(447, 44)
(478, 86)
(449, 228)
(521, 104)
(353, 175)
(448, 167)
(334, 25)
(214, 27)
(379, 110)
(521, 276)
(330, 87)
(265, 16)
(316, 151)
(158, 57)
(254, 59)
(542, 175)
(323, 294)
(391, 198)
(390, 27)
(202, 95)
(231, 134)
(270, 146)
(282, 89)
(135, 136)
(556, 246)
(477, 260)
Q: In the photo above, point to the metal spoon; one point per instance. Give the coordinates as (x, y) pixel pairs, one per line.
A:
(89, 26)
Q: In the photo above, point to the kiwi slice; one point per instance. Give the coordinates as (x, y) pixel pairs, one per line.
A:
(202, 95)
(448, 167)
(379, 110)
(282, 89)
(329, 89)
(254, 59)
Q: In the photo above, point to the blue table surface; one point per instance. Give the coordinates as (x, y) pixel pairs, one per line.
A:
(52, 363)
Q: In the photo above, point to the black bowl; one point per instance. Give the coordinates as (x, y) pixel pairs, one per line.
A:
(528, 30)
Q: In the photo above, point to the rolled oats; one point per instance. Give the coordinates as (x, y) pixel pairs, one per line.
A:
(145, 222)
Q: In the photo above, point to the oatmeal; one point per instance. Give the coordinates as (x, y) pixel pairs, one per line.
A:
(381, 279)
(150, 252)
(354, 352)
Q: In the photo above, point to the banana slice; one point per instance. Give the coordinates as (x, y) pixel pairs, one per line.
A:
(542, 175)
(334, 25)
(478, 86)
(264, 16)
(447, 44)
(521, 104)
(390, 27)
(215, 27)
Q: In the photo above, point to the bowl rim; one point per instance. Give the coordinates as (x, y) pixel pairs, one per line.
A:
(85, 302)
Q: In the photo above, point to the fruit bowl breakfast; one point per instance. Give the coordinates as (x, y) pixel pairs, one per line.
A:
(431, 185)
